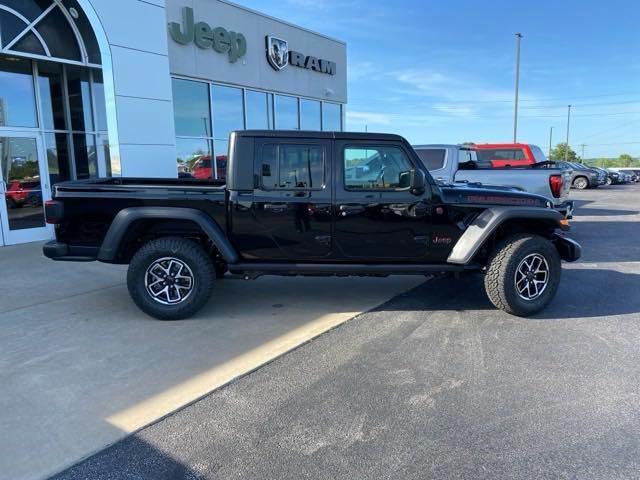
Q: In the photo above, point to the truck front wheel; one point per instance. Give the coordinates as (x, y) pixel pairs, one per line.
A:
(523, 274)
(170, 278)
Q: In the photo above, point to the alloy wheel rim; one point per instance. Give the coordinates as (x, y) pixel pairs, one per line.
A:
(169, 281)
(532, 276)
(581, 183)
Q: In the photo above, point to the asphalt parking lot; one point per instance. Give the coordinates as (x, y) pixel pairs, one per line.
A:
(435, 383)
(81, 367)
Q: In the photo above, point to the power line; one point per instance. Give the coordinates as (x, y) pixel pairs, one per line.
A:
(615, 143)
(605, 114)
(582, 104)
(622, 126)
(461, 115)
(526, 99)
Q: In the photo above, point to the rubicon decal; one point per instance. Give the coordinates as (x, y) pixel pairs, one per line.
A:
(502, 200)
(279, 56)
(204, 36)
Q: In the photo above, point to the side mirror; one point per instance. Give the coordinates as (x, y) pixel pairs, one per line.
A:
(417, 182)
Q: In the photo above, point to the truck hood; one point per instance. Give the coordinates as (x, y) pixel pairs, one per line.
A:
(475, 195)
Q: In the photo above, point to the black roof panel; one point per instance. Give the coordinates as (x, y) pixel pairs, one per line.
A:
(316, 134)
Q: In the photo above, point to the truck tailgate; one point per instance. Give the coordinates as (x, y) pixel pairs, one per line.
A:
(530, 180)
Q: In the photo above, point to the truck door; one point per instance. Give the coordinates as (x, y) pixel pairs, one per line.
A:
(292, 199)
(376, 217)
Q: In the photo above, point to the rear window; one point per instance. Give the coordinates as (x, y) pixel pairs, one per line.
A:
(489, 154)
(538, 154)
(290, 167)
(466, 155)
(432, 158)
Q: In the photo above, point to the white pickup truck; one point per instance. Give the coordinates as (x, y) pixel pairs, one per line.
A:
(450, 164)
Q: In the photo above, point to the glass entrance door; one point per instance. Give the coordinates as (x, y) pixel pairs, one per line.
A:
(24, 187)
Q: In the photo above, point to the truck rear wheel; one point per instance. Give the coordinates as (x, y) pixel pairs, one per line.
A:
(581, 183)
(523, 274)
(170, 278)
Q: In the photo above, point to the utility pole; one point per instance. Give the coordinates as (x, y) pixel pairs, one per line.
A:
(582, 157)
(515, 111)
(550, 140)
(566, 150)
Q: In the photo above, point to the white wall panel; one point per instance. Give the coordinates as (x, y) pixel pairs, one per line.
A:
(137, 33)
(155, 161)
(141, 74)
(134, 24)
(144, 121)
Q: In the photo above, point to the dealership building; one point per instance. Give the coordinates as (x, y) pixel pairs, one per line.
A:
(146, 88)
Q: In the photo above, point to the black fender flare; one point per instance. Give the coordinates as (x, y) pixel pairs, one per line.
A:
(127, 216)
(479, 231)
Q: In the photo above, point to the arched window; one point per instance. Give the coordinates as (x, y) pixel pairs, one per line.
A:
(48, 29)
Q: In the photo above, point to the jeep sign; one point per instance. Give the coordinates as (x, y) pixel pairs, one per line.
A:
(205, 36)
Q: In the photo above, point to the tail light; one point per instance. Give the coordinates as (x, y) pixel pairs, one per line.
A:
(53, 211)
(556, 182)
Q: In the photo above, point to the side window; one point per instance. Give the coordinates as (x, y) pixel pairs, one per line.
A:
(292, 167)
(376, 168)
(500, 154)
(432, 158)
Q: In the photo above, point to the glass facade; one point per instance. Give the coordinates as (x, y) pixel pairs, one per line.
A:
(206, 113)
(287, 113)
(73, 114)
(66, 103)
(259, 108)
(55, 37)
(17, 95)
(310, 117)
(331, 117)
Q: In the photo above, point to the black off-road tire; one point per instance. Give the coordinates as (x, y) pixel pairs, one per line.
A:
(500, 283)
(186, 252)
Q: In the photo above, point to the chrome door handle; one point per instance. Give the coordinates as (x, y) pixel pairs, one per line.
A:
(350, 210)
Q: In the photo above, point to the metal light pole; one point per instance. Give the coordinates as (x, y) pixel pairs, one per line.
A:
(582, 157)
(550, 140)
(566, 150)
(515, 112)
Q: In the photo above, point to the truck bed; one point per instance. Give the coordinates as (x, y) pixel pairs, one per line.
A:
(90, 206)
(118, 184)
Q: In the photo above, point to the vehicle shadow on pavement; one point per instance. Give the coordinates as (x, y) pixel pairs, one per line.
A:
(594, 292)
(602, 212)
(580, 296)
(132, 457)
(605, 241)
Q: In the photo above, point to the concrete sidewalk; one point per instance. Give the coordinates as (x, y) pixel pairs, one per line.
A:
(81, 366)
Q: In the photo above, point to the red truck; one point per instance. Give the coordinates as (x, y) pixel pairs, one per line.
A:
(510, 154)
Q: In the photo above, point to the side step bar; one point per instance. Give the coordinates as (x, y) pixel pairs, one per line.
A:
(257, 269)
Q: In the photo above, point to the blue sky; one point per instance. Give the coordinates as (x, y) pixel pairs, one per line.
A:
(443, 71)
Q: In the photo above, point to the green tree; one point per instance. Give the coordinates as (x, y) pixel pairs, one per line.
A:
(626, 160)
(558, 153)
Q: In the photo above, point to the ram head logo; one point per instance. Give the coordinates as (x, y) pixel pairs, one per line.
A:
(277, 52)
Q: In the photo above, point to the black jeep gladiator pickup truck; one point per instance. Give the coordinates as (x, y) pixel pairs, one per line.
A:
(309, 203)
